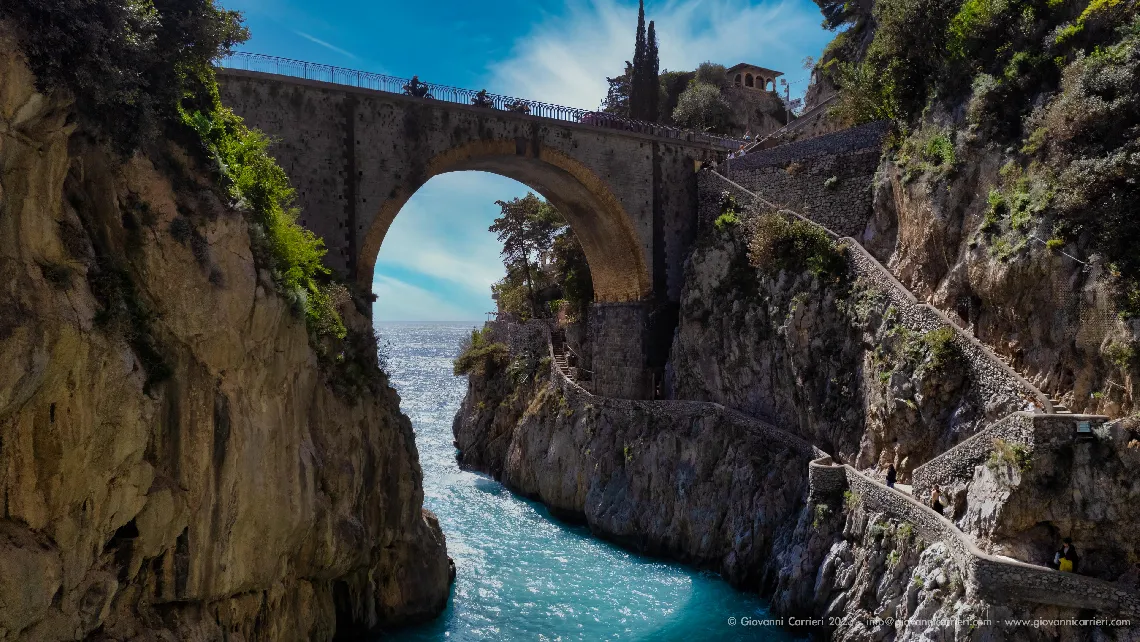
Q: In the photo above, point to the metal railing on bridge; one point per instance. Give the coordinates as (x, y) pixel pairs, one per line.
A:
(393, 85)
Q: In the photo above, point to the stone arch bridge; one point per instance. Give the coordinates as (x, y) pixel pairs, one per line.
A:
(357, 146)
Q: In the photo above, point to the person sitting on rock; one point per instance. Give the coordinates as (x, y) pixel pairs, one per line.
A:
(892, 476)
(1065, 559)
(936, 499)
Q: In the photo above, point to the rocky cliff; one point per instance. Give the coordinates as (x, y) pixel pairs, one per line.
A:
(1047, 309)
(687, 481)
(174, 464)
(827, 358)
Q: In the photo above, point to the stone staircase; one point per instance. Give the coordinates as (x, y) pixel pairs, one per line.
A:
(1059, 408)
(998, 365)
(562, 355)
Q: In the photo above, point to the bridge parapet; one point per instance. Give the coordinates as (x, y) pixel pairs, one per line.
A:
(248, 61)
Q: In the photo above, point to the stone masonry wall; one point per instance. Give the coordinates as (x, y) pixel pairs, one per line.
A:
(828, 179)
(956, 466)
(994, 578)
(617, 344)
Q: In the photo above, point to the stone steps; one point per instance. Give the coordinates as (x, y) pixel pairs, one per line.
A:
(1005, 360)
(1058, 407)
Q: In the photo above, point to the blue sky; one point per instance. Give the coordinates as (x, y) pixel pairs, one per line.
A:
(438, 260)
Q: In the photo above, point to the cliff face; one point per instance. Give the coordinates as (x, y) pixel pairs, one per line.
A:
(173, 464)
(1046, 310)
(1063, 488)
(870, 576)
(828, 360)
(687, 481)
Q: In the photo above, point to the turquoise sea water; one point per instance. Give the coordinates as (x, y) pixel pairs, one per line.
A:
(523, 575)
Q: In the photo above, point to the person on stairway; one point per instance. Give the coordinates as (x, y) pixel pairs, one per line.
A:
(1065, 559)
(936, 499)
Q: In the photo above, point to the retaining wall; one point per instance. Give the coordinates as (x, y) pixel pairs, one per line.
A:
(956, 466)
(827, 178)
(994, 578)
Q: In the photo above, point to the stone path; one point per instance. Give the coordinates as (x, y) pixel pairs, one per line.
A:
(997, 579)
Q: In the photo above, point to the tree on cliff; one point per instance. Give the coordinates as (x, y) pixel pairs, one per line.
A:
(635, 93)
(544, 260)
(644, 82)
(703, 107)
(526, 228)
(616, 101)
(128, 64)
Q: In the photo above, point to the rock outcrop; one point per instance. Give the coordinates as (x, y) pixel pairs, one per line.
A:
(173, 463)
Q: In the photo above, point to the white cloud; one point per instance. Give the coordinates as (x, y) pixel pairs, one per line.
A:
(566, 58)
(400, 301)
(325, 44)
(442, 231)
(440, 243)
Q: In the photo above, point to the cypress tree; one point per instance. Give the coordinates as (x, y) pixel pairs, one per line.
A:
(652, 75)
(637, 98)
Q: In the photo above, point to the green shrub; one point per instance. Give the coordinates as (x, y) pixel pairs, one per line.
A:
(851, 500)
(929, 149)
(730, 211)
(821, 513)
(255, 180)
(1123, 355)
(128, 63)
(866, 95)
(702, 107)
(1013, 454)
(726, 220)
(944, 352)
(893, 559)
(940, 150)
(480, 355)
(974, 17)
(1091, 144)
(904, 532)
(787, 243)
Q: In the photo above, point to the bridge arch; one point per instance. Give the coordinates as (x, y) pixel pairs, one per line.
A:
(618, 265)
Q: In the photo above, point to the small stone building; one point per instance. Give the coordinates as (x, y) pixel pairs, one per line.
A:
(753, 77)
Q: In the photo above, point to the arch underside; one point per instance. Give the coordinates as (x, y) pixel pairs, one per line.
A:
(618, 265)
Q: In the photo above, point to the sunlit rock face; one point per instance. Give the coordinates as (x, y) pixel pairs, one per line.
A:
(238, 495)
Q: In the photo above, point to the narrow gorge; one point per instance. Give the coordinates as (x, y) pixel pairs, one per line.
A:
(860, 366)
